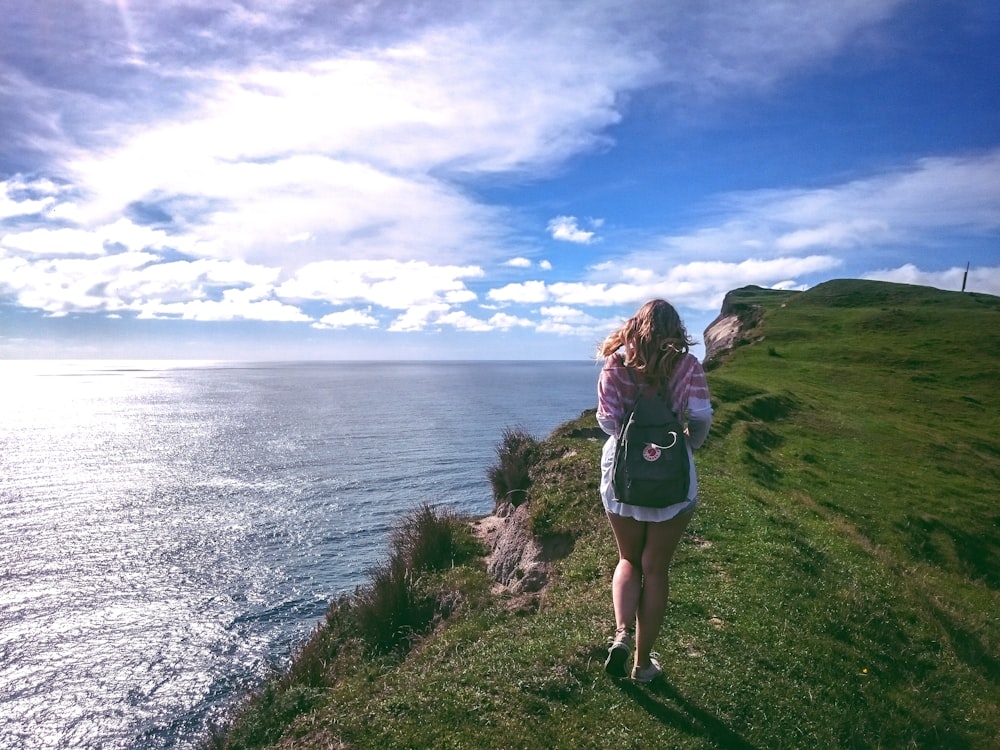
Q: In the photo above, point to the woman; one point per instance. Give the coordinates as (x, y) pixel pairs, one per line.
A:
(648, 354)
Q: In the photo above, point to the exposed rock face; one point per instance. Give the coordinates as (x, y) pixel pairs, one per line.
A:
(721, 335)
(518, 562)
(735, 319)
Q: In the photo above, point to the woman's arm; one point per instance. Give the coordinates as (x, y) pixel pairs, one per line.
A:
(692, 386)
(615, 392)
(699, 422)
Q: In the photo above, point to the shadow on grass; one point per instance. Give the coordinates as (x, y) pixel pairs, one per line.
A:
(686, 717)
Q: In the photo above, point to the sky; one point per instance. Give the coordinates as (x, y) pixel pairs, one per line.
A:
(469, 179)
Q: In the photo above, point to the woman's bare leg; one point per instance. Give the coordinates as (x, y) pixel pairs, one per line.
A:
(661, 540)
(626, 584)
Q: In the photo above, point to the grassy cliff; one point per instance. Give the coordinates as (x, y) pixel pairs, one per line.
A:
(838, 587)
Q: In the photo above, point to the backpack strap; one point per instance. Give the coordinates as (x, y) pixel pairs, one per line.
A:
(680, 414)
(635, 383)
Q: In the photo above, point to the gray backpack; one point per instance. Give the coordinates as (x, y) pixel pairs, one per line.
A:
(652, 467)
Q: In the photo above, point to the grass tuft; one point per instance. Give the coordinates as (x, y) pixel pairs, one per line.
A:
(510, 476)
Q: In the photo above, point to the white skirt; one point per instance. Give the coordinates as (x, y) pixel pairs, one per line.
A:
(639, 512)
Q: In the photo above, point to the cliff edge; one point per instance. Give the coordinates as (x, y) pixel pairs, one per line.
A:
(742, 312)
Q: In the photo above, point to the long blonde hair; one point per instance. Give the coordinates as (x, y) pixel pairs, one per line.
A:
(653, 340)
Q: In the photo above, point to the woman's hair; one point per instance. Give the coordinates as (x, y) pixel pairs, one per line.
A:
(654, 340)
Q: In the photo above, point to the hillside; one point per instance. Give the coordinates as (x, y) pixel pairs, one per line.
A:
(838, 587)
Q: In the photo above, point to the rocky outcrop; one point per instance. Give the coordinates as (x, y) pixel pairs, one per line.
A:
(518, 562)
(737, 317)
(721, 335)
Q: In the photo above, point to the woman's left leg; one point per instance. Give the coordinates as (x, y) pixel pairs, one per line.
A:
(661, 542)
(626, 583)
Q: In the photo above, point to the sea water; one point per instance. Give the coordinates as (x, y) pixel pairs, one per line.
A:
(171, 531)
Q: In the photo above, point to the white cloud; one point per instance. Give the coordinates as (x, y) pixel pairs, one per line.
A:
(229, 308)
(193, 277)
(566, 228)
(45, 242)
(462, 321)
(256, 211)
(64, 285)
(430, 316)
(347, 319)
(136, 281)
(956, 191)
(521, 262)
(459, 296)
(271, 154)
(523, 292)
(504, 322)
(387, 283)
(697, 285)
(562, 312)
(418, 317)
(49, 242)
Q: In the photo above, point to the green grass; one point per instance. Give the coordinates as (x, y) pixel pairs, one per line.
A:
(837, 587)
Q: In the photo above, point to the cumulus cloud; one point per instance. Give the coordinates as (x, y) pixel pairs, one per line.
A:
(697, 285)
(347, 319)
(139, 282)
(419, 317)
(522, 292)
(522, 262)
(566, 228)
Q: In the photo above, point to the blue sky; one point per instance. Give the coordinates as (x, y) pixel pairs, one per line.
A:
(280, 179)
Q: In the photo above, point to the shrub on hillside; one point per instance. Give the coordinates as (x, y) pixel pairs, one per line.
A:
(392, 609)
(429, 540)
(510, 477)
(395, 607)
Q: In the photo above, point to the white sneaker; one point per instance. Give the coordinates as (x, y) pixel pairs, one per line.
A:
(645, 675)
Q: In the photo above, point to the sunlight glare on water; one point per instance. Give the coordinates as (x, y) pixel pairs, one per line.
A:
(130, 589)
(169, 531)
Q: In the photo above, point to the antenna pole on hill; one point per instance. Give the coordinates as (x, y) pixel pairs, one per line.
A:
(966, 276)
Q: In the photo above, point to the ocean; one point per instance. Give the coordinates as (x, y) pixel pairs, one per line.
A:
(171, 531)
